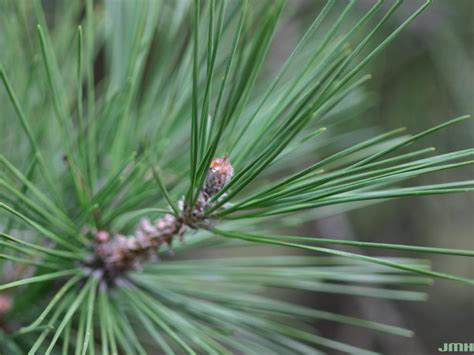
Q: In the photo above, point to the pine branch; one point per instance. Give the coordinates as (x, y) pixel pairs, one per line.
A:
(117, 254)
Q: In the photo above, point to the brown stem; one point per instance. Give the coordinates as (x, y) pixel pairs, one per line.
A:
(116, 254)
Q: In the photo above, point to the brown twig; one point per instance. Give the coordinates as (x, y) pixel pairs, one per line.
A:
(116, 254)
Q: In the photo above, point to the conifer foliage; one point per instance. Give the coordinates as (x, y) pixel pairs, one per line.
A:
(155, 168)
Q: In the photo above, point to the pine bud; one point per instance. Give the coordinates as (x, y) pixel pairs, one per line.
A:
(219, 174)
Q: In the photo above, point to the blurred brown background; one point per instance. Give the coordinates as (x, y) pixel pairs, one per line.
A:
(422, 79)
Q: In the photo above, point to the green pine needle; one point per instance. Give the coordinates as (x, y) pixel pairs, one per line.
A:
(107, 93)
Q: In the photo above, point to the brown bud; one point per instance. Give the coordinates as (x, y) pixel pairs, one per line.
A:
(218, 175)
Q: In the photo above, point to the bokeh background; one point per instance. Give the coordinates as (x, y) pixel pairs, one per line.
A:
(422, 79)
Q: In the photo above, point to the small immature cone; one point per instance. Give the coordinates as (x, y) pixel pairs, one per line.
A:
(101, 237)
(5, 304)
